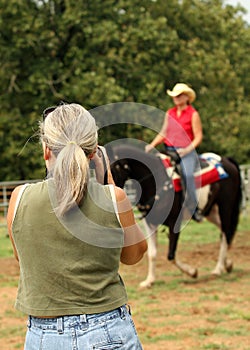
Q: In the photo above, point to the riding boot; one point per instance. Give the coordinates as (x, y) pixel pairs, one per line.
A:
(197, 216)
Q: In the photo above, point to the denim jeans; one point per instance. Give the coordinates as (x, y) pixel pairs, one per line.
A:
(188, 166)
(189, 163)
(104, 331)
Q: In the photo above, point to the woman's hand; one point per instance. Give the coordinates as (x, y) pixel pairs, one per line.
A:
(102, 166)
(183, 151)
(148, 148)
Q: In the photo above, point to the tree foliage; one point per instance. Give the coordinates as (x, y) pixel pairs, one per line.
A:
(95, 53)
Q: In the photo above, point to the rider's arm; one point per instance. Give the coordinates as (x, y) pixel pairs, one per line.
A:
(135, 244)
(159, 138)
(197, 129)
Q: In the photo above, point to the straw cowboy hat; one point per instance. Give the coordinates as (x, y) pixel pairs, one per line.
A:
(181, 88)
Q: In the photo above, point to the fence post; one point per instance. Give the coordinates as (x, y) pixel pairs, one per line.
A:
(245, 178)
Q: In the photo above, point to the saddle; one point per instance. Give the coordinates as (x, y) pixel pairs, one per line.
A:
(209, 171)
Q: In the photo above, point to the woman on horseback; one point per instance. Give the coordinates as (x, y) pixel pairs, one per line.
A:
(182, 132)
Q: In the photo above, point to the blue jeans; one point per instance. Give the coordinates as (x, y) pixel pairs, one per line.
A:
(188, 165)
(104, 331)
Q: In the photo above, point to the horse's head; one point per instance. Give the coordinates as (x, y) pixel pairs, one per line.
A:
(146, 170)
(154, 189)
(120, 171)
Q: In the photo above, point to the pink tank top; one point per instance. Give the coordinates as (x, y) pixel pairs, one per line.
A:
(179, 129)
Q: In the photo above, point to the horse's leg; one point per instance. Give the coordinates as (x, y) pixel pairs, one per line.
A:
(187, 269)
(222, 260)
(223, 263)
(151, 234)
(174, 232)
(228, 265)
(214, 216)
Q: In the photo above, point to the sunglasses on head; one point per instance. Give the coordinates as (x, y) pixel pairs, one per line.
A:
(48, 110)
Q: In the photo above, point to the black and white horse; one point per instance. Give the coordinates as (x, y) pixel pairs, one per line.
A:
(160, 203)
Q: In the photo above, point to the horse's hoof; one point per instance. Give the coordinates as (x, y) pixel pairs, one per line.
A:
(194, 274)
(229, 266)
(146, 284)
(216, 273)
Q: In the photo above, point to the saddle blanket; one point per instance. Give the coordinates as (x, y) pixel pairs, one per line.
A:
(211, 170)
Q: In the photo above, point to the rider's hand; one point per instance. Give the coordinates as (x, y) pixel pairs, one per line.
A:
(148, 148)
(182, 151)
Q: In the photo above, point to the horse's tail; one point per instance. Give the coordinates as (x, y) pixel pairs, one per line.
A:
(237, 203)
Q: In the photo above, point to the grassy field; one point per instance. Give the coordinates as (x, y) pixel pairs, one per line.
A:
(5, 245)
(177, 313)
(191, 234)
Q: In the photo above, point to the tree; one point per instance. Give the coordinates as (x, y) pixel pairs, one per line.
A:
(96, 53)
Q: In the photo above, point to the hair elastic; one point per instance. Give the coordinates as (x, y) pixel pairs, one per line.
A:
(71, 143)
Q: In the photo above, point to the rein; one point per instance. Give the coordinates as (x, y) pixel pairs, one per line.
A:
(145, 178)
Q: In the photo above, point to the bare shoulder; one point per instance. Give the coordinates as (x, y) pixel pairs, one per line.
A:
(123, 203)
(15, 192)
(12, 202)
(10, 215)
(120, 194)
(196, 115)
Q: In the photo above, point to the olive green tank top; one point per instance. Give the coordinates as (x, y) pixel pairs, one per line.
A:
(68, 266)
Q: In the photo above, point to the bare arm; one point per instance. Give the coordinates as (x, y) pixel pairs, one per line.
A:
(135, 244)
(197, 129)
(10, 216)
(159, 138)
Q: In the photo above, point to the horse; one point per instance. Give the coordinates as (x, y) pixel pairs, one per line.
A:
(160, 203)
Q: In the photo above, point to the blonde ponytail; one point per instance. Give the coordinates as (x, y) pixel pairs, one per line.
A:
(70, 132)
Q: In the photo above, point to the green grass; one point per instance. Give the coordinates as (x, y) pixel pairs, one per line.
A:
(215, 347)
(244, 223)
(202, 233)
(5, 244)
(207, 300)
(219, 318)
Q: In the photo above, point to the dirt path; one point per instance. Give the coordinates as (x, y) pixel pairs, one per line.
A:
(177, 313)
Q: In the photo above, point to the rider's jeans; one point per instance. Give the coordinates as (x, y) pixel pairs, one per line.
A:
(188, 166)
(104, 331)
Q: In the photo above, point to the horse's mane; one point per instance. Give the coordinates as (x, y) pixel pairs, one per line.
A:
(127, 150)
